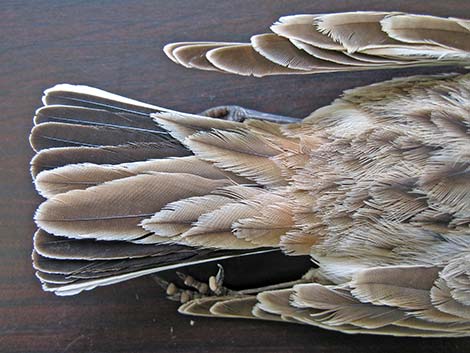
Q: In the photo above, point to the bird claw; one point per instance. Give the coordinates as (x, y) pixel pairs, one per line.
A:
(214, 287)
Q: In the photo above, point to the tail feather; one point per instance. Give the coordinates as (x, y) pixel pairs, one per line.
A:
(85, 175)
(117, 180)
(51, 158)
(89, 97)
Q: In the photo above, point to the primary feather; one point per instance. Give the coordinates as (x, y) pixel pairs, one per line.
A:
(346, 41)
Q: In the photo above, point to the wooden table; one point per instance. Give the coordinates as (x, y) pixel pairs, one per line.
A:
(116, 45)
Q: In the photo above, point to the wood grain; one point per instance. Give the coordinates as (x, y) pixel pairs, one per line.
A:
(116, 45)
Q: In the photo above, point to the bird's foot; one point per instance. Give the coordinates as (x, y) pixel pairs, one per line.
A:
(198, 289)
(239, 114)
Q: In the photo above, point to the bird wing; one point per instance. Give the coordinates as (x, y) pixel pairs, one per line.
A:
(393, 300)
(349, 41)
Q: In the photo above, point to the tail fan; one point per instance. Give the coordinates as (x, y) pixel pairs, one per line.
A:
(126, 196)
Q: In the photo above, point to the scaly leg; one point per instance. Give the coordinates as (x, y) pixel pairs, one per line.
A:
(215, 287)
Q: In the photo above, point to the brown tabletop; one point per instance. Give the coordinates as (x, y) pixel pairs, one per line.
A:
(116, 45)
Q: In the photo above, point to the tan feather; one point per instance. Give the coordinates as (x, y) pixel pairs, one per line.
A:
(462, 22)
(276, 302)
(301, 28)
(423, 29)
(402, 287)
(194, 55)
(441, 298)
(235, 307)
(241, 152)
(457, 277)
(214, 229)
(170, 47)
(270, 223)
(340, 308)
(82, 176)
(282, 52)
(177, 217)
(181, 125)
(113, 210)
(339, 60)
(372, 40)
(355, 30)
(244, 60)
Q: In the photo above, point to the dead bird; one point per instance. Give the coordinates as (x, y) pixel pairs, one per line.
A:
(374, 187)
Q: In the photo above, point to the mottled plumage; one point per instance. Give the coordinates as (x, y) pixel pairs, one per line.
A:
(374, 187)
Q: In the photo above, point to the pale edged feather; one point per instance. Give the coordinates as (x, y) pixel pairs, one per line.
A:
(84, 269)
(405, 287)
(464, 23)
(181, 125)
(200, 306)
(442, 299)
(94, 116)
(53, 279)
(57, 134)
(433, 314)
(85, 96)
(89, 284)
(355, 30)
(276, 302)
(241, 152)
(368, 37)
(377, 62)
(194, 55)
(235, 308)
(457, 277)
(214, 229)
(273, 220)
(413, 54)
(459, 328)
(301, 28)
(224, 306)
(425, 29)
(244, 60)
(51, 246)
(82, 176)
(282, 52)
(339, 60)
(296, 242)
(168, 49)
(339, 307)
(178, 217)
(76, 176)
(51, 158)
(113, 210)
(263, 315)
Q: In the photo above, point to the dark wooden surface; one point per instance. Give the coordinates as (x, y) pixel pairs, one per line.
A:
(116, 45)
